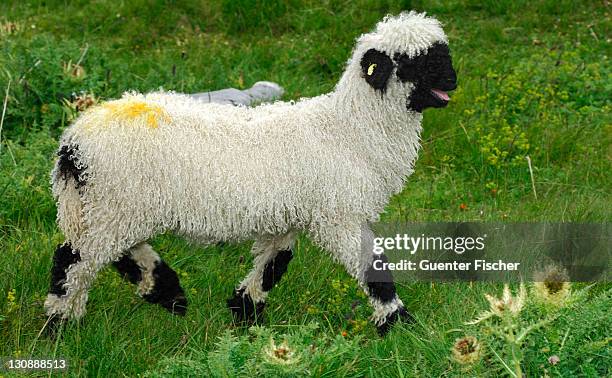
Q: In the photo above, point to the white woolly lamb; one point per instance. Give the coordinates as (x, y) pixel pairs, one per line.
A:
(144, 164)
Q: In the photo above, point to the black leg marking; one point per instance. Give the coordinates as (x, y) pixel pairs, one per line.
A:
(68, 166)
(399, 314)
(62, 259)
(380, 282)
(243, 308)
(275, 269)
(128, 268)
(167, 290)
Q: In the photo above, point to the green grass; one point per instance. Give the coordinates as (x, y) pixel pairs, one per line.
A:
(533, 81)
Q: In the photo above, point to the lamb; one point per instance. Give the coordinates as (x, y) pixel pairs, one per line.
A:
(326, 166)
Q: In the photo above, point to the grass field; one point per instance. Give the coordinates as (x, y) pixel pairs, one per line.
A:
(534, 80)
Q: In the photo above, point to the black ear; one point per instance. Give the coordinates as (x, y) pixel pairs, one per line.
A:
(376, 67)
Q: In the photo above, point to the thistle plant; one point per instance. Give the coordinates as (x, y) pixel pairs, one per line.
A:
(509, 328)
(78, 103)
(505, 306)
(466, 350)
(504, 321)
(551, 286)
(302, 351)
(280, 354)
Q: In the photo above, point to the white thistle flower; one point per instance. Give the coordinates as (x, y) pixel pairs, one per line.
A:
(281, 354)
(466, 350)
(551, 286)
(504, 305)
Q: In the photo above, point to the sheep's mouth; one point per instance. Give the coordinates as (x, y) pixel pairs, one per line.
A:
(439, 91)
(423, 97)
(441, 96)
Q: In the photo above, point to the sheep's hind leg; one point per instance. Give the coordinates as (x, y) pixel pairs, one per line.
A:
(63, 258)
(345, 243)
(272, 256)
(71, 277)
(157, 282)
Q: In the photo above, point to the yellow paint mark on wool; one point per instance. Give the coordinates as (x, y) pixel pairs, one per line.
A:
(137, 109)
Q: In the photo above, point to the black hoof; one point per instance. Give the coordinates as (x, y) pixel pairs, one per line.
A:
(399, 314)
(243, 308)
(176, 305)
(167, 292)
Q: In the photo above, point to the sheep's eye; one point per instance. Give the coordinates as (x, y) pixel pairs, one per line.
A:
(376, 67)
(409, 69)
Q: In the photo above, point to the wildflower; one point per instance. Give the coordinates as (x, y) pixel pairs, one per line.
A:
(84, 101)
(11, 300)
(551, 286)
(280, 355)
(466, 350)
(507, 304)
(358, 325)
(492, 186)
(463, 206)
(9, 28)
(75, 70)
(554, 359)
(10, 296)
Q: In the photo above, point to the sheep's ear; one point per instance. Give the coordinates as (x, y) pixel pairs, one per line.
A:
(376, 67)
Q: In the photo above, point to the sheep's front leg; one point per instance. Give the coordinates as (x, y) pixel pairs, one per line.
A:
(157, 282)
(388, 307)
(272, 256)
(351, 245)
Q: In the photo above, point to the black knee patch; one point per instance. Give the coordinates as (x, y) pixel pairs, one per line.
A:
(243, 308)
(380, 282)
(62, 259)
(167, 290)
(275, 269)
(128, 268)
(68, 166)
(399, 314)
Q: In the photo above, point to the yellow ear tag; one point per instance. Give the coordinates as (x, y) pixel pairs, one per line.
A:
(371, 69)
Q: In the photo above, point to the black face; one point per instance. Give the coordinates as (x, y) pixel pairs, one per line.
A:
(431, 73)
